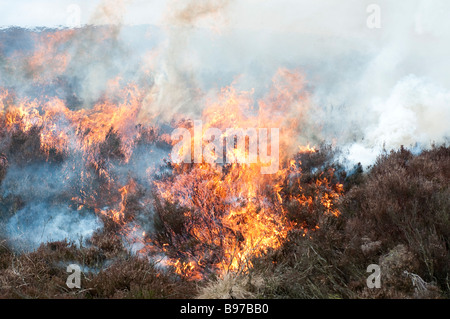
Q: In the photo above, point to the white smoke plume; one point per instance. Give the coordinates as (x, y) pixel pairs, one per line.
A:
(38, 223)
(372, 88)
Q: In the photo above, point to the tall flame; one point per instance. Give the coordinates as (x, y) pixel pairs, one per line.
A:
(230, 213)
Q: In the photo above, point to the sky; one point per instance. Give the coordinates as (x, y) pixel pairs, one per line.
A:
(323, 16)
(48, 13)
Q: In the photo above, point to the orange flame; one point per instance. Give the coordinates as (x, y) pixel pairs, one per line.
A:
(232, 213)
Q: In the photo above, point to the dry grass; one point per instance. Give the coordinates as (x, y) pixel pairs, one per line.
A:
(232, 286)
(42, 274)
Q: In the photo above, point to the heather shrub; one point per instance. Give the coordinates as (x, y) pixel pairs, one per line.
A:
(134, 277)
(395, 215)
(42, 274)
(405, 199)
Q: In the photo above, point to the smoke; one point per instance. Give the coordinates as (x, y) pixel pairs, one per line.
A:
(43, 189)
(190, 13)
(368, 89)
(110, 12)
(38, 223)
(372, 88)
(415, 113)
(178, 87)
(80, 61)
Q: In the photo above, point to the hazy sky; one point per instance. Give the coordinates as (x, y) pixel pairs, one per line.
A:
(316, 16)
(50, 13)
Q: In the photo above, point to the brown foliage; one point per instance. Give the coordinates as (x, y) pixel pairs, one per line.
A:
(405, 199)
(42, 274)
(396, 215)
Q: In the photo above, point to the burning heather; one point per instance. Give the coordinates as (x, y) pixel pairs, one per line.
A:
(168, 150)
(203, 217)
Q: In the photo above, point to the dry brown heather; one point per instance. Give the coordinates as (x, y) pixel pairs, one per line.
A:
(42, 274)
(395, 215)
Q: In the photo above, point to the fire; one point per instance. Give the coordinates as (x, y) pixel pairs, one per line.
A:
(118, 215)
(307, 149)
(232, 211)
(66, 130)
(215, 217)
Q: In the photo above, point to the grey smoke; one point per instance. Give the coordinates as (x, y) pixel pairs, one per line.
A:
(39, 223)
(45, 190)
(371, 88)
